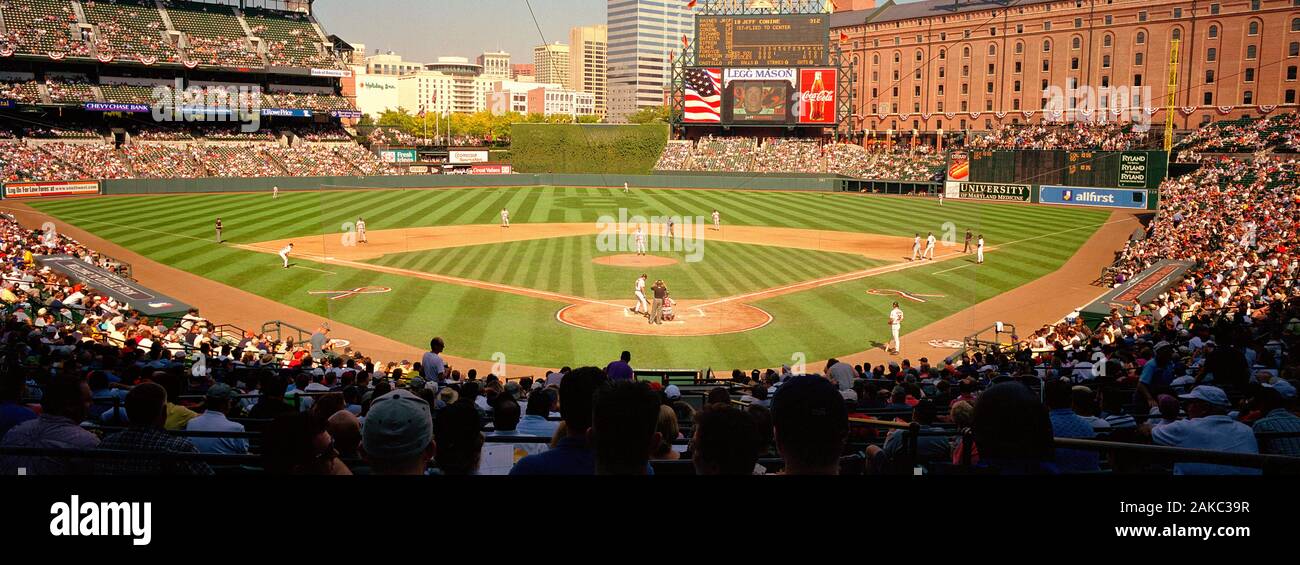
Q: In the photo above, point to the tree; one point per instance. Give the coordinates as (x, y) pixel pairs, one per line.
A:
(588, 119)
(649, 114)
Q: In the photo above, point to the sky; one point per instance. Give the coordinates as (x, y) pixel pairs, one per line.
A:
(422, 30)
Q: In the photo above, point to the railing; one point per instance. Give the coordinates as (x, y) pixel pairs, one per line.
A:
(278, 329)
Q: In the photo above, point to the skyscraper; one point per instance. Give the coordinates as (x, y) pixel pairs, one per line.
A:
(495, 65)
(587, 66)
(642, 33)
(552, 63)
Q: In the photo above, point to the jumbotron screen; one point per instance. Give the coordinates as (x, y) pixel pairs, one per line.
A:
(785, 40)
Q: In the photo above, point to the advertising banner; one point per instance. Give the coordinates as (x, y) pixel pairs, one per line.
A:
(335, 73)
(397, 156)
(492, 169)
(1085, 196)
(994, 191)
(15, 190)
(759, 74)
(817, 103)
(287, 112)
(461, 157)
(116, 107)
(959, 166)
(354, 114)
(1133, 169)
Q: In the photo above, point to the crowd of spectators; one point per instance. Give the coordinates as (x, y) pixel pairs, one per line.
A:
(1243, 135)
(392, 137)
(743, 154)
(1211, 357)
(41, 27)
(323, 133)
(724, 154)
(129, 29)
(789, 156)
(1066, 137)
(906, 163)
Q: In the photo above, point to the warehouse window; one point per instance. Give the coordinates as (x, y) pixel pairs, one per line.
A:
(1214, 31)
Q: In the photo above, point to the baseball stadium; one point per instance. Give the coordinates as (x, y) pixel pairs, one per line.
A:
(203, 223)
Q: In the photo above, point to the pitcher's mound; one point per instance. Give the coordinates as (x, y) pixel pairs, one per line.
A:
(692, 320)
(634, 260)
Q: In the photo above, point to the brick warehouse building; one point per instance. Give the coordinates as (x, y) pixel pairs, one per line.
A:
(973, 64)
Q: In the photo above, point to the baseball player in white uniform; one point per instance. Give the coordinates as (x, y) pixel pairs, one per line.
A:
(361, 231)
(642, 306)
(275, 192)
(717, 221)
(505, 218)
(896, 324)
(929, 247)
(670, 228)
(916, 247)
(639, 237)
(979, 250)
(218, 230)
(941, 197)
(284, 254)
(626, 190)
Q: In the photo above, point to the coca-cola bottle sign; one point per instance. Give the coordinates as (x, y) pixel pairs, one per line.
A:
(817, 96)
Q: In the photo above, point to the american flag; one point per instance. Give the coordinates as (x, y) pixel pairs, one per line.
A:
(703, 96)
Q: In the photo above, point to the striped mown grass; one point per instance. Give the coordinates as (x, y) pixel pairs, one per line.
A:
(724, 269)
(828, 321)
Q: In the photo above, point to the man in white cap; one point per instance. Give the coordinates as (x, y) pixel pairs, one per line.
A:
(1210, 428)
(397, 436)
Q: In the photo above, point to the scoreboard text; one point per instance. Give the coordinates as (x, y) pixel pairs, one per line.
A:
(787, 40)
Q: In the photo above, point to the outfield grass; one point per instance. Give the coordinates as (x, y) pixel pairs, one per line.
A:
(828, 321)
(723, 269)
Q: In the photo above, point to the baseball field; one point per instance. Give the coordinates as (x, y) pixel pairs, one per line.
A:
(810, 274)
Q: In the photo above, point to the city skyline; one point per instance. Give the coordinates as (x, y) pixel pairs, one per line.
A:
(425, 30)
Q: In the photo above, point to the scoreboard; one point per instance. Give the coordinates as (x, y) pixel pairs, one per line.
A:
(777, 40)
(1100, 169)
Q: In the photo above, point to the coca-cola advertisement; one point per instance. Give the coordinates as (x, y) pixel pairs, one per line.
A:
(817, 103)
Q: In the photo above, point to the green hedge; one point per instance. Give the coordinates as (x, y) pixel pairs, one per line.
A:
(587, 148)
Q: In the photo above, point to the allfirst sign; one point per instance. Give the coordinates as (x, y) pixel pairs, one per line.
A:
(1101, 197)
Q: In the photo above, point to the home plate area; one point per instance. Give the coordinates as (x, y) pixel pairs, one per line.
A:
(694, 318)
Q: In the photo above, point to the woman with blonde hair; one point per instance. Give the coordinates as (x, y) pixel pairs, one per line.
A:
(667, 427)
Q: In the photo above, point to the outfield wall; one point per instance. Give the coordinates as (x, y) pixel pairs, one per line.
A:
(717, 182)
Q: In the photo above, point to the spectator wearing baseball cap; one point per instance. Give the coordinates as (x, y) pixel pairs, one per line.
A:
(397, 436)
(811, 424)
(216, 404)
(1209, 427)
